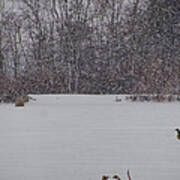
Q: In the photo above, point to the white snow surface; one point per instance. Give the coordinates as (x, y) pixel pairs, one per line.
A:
(83, 137)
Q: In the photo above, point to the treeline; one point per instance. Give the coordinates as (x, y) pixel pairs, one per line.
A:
(90, 46)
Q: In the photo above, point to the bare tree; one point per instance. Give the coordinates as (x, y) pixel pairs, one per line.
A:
(1, 27)
(92, 46)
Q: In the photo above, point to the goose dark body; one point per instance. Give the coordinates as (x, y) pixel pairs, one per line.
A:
(178, 133)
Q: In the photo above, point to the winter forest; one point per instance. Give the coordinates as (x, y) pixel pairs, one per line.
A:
(89, 47)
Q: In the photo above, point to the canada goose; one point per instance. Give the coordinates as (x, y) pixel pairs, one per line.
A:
(116, 177)
(104, 177)
(178, 133)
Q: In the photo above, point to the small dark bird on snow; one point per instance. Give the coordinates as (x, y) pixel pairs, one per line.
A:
(118, 99)
(178, 133)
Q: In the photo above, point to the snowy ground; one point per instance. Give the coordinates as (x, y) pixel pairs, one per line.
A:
(83, 137)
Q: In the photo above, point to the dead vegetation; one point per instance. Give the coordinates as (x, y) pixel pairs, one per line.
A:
(116, 177)
(153, 98)
(19, 102)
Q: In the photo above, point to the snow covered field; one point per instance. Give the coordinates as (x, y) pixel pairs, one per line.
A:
(84, 137)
